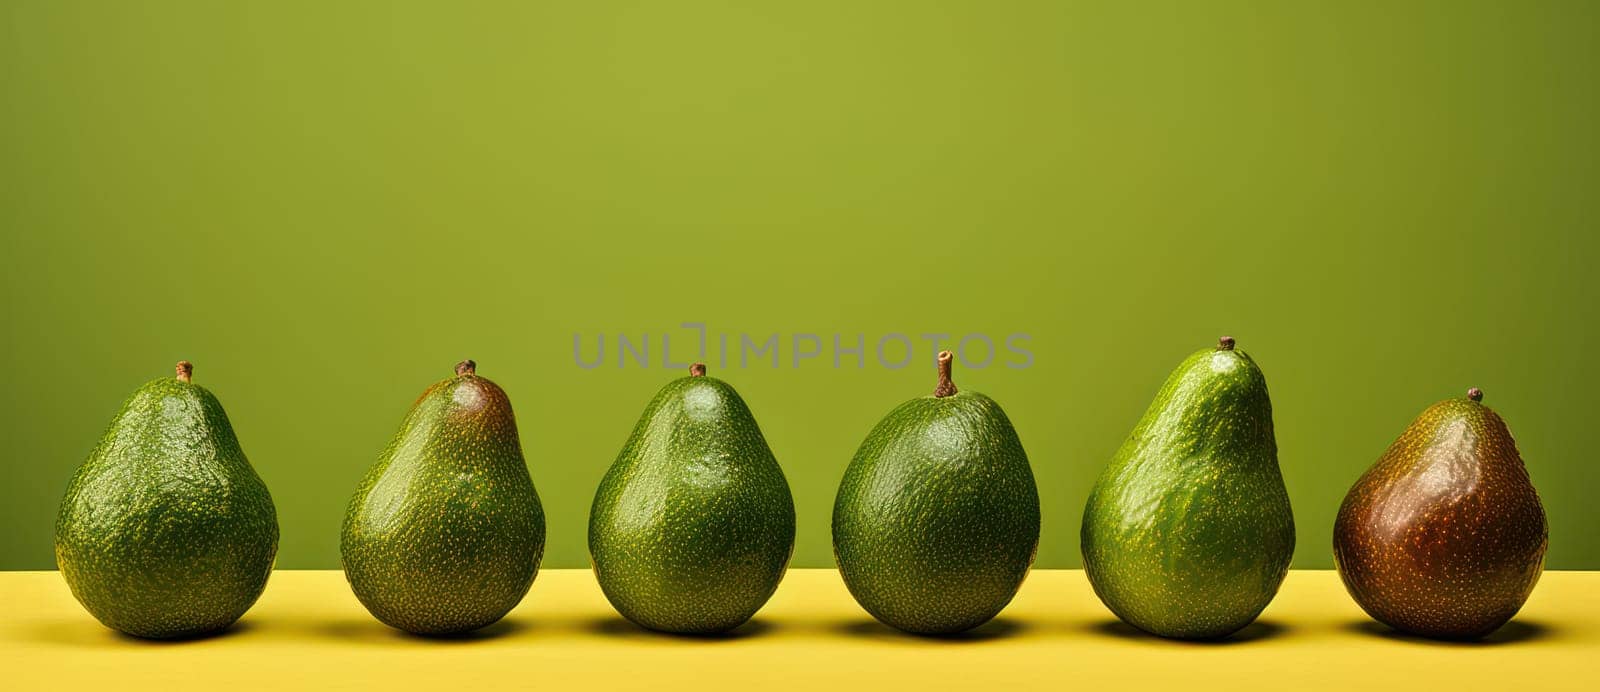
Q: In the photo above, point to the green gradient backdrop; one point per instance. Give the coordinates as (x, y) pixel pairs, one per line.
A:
(326, 205)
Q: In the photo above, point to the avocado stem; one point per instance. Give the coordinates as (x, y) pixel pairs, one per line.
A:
(466, 367)
(947, 387)
(1225, 343)
(697, 370)
(1475, 394)
(185, 370)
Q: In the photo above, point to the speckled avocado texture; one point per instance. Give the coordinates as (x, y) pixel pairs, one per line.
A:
(937, 519)
(445, 533)
(693, 525)
(166, 531)
(1188, 533)
(1444, 536)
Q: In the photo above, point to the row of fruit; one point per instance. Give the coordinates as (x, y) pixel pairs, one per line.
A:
(166, 530)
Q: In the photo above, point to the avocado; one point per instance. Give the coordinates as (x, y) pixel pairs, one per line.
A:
(445, 533)
(166, 531)
(1444, 536)
(937, 519)
(693, 525)
(1188, 533)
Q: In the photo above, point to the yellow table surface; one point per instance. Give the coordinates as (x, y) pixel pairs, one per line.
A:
(309, 630)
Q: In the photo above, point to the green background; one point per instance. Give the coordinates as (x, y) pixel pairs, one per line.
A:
(326, 205)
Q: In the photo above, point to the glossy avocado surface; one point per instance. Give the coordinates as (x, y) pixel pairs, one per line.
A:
(693, 525)
(1444, 536)
(1188, 531)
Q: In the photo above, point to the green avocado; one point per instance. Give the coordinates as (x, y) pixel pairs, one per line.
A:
(1188, 534)
(693, 525)
(937, 518)
(166, 531)
(445, 533)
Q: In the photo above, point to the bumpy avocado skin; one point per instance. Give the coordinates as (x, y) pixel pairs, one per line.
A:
(166, 531)
(937, 519)
(445, 533)
(693, 525)
(1188, 532)
(1444, 536)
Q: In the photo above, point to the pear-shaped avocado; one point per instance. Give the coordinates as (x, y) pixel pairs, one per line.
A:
(693, 525)
(937, 518)
(445, 533)
(1444, 537)
(166, 531)
(1188, 533)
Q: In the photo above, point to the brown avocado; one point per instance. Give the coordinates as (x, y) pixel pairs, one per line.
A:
(1444, 537)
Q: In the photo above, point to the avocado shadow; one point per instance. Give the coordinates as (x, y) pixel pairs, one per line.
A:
(1253, 632)
(375, 632)
(1514, 632)
(623, 628)
(94, 634)
(998, 628)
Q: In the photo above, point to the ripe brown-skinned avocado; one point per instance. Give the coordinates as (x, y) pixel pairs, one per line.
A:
(1444, 536)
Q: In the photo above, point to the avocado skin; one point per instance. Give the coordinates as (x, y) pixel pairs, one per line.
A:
(693, 525)
(445, 533)
(937, 519)
(166, 531)
(1188, 532)
(1444, 536)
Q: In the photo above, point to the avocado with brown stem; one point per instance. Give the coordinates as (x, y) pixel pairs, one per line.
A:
(693, 525)
(1188, 532)
(937, 519)
(1444, 536)
(166, 531)
(445, 533)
